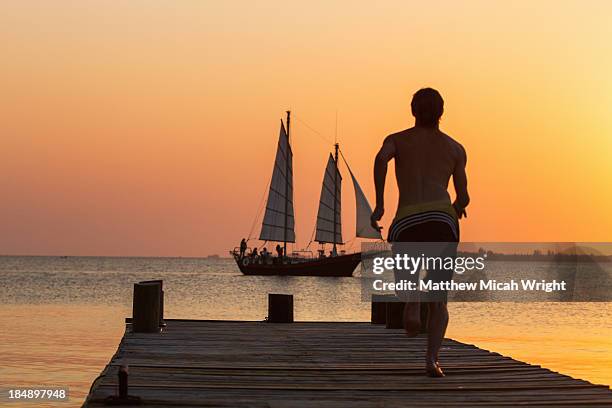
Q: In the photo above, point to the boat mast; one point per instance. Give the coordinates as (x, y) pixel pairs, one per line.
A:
(335, 195)
(286, 184)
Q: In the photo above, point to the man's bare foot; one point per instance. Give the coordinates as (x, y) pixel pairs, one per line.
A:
(434, 370)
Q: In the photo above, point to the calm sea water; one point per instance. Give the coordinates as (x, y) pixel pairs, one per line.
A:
(63, 317)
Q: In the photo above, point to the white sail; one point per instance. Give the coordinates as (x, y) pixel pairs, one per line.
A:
(325, 216)
(363, 226)
(278, 223)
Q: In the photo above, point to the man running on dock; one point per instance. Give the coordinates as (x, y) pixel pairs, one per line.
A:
(425, 159)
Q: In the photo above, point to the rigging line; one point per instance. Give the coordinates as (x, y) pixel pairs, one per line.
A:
(312, 236)
(344, 159)
(261, 205)
(321, 135)
(346, 163)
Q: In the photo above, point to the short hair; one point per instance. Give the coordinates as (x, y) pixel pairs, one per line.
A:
(427, 106)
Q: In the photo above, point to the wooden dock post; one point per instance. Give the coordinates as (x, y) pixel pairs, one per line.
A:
(160, 282)
(395, 315)
(379, 308)
(280, 308)
(122, 377)
(146, 307)
(424, 316)
(123, 398)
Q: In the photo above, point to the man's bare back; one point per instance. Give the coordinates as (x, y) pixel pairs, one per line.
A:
(425, 159)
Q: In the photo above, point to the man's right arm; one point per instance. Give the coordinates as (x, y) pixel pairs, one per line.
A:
(386, 153)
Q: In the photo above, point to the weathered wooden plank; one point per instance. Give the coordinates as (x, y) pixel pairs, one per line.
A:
(227, 363)
(187, 396)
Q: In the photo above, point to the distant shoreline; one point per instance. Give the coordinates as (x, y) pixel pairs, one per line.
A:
(220, 258)
(491, 256)
(540, 257)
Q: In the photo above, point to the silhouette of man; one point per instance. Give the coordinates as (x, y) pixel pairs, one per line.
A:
(279, 251)
(425, 159)
(243, 247)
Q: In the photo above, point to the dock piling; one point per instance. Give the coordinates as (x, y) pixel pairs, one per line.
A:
(146, 307)
(424, 317)
(122, 375)
(387, 309)
(395, 315)
(280, 308)
(160, 282)
(379, 308)
(123, 398)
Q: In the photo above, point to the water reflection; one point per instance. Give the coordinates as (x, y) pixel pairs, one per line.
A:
(63, 318)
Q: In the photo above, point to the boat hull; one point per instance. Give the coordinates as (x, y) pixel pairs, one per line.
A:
(337, 266)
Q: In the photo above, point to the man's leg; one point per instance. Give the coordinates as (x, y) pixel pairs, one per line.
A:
(412, 318)
(437, 323)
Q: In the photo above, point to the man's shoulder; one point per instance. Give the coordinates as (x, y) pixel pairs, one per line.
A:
(455, 145)
(400, 134)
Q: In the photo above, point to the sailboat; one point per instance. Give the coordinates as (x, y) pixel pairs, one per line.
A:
(279, 222)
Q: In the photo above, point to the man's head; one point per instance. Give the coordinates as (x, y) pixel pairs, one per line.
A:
(427, 107)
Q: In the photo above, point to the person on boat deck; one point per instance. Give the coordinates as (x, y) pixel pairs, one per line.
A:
(425, 159)
(279, 251)
(264, 255)
(243, 247)
(254, 254)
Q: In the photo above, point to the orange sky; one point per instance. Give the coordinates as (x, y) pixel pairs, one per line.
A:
(149, 128)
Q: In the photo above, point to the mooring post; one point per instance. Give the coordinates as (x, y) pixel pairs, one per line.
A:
(146, 307)
(122, 397)
(379, 308)
(160, 282)
(280, 308)
(162, 322)
(424, 317)
(395, 314)
(123, 381)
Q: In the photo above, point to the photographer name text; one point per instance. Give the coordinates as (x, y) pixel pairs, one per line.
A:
(491, 285)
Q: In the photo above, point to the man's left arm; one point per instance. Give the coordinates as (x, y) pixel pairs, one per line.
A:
(385, 154)
(460, 183)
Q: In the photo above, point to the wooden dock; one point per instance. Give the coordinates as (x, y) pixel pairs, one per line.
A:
(260, 364)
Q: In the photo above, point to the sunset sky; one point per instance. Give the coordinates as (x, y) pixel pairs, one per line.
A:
(150, 127)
